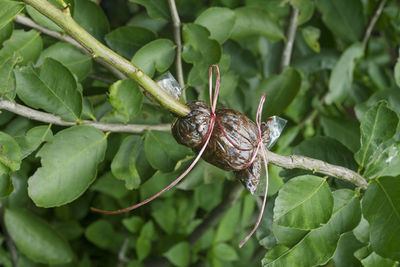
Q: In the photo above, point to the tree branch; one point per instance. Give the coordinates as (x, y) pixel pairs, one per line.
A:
(98, 50)
(372, 23)
(30, 23)
(50, 118)
(290, 35)
(315, 165)
(177, 37)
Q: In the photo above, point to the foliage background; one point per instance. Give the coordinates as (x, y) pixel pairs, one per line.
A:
(340, 96)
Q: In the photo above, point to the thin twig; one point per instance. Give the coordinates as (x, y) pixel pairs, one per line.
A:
(291, 34)
(372, 23)
(177, 37)
(288, 162)
(50, 118)
(315, 165)
(216, 214)
(62, 37)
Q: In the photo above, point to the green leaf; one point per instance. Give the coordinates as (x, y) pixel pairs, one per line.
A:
(219, 21)
(54, 89)
(397, 71)
(228, 226)
(346, 215)
(251, 21)
(156, 55)
(165, 216)
(311, 36)
(280, 90)
(41, 19)
(378, 125)
(306, 10)
(347, 245)
(34, 138)
(208, 196)
(124, 166)
(374, 259)
(143, 243)
(10, 153)
(287, 236)
(36, 238)
(7, 79)
(385, 161)
(381, 208)
(179, 254)
(78, 63)
(304, 202)
(108, 185)
(6, 31)
(225, 252)
(345, 18)
(326, 149)
(70, 230)
(133, 224)
(342, 74)
(162, 151)
(344, 130)
(26, 45)
(155, 8)
(6, 186)
(69, 166)
(126, 40)
(8, 10)
(91, 17)
(126, 98)
(100, 233)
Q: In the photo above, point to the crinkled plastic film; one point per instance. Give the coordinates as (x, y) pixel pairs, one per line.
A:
(167, 82)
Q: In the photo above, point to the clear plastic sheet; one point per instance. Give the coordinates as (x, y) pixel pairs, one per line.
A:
(167, 82)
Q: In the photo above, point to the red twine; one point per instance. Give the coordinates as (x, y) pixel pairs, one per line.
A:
(213, 120)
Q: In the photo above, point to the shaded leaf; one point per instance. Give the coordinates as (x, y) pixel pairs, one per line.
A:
(155, 8)
(126, 40)
(345, 18)
(78, 63)
(7, 79)
(143, 243)
(126, 98)
(6, 186)
(381, 208)
(319, 245)
(280, 90)
(165, 216)
(54, 89)
(91, 17)
(179, 254)
(162, 152)
(10, 154)
(26, 45)
(228, 226)
(342, 74)
(252, 21)
(156, 55)
(344, 130)
(65, 176)
(133, 224)
(347, 245)
(304, 202)
(36, 238)
(378, 125)
(100, 233)
(124, 166)
(397, 71)
(108, 185)
(219, 21)
(8, 10)
(6, 31)
(41, 19)
(311, 36)
(225, 252)
(34, 138)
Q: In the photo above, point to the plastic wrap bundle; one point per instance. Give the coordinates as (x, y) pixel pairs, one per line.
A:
(233, 140)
